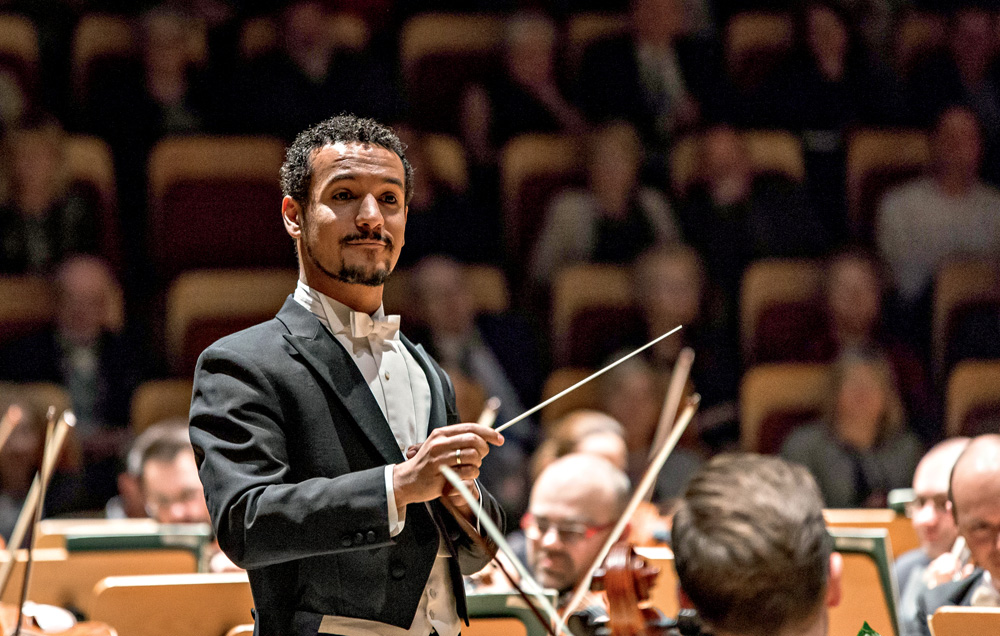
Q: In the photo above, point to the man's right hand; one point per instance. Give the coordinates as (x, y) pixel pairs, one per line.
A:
(461, 447)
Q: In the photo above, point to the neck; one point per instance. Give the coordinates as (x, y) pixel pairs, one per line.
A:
(815, 625)
(955, 183)
(357, 297)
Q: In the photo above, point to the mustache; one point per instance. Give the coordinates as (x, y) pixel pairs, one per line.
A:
(368, 236)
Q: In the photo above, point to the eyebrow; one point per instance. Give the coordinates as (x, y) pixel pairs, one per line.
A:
(352, 176)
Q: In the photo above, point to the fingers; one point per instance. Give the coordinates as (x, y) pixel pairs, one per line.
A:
(411, 451)
(488, 434)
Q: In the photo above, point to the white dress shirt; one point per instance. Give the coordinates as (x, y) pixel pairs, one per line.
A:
(403, 394)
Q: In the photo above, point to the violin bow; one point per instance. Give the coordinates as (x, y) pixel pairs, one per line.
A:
(645, 484)
(535, 589)
(675, 392)
(53, 446)
(587, 379)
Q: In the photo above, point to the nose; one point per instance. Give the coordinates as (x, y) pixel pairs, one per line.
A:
(926, 515)
(551, 537)
(369, 212)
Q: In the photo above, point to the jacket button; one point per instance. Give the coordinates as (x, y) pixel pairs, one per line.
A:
(398, 572)
(346, 541)
(359, 539)
(371, 536)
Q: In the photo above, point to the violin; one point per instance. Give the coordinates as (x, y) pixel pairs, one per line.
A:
(626, 579)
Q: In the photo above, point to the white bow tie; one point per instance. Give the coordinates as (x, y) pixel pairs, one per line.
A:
(363, 326)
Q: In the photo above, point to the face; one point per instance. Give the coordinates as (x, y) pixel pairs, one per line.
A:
(827, 35)
(860, 405)
(85, 297)
(673, 295)
(972, 40)
(573, 522)
(36, 163)
(446, 302)
(173, 492)
(977, 510)
(958, 144)
(353, 228)
(932, 520)
(636, 402)
(853, 296)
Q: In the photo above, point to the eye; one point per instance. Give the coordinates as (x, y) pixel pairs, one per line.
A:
(390, 198)
(342, 195)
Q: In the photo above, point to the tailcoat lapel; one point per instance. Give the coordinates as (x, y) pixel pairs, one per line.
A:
(438, 415)
(332, 363)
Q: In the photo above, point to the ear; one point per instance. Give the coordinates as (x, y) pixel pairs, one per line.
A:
(292, 217)
(833, 591)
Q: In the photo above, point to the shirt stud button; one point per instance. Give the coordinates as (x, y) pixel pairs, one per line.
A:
(386, 375)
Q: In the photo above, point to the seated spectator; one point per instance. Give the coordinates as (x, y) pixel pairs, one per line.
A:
(862, 448)
(44, 220)
(21, 459)
(935, 527)
(526, 98)
(99, 367)
(499, 352)
(854, 292)
(965, 72)
(633, 394)
(946, 214)
(648, 76)
(751, 549)
(974, 499)
(169, 484)
(313, 75)
(582, 431)
(612, 221)
(732, 216)
(574, 504)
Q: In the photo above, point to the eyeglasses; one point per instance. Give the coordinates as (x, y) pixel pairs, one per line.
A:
(568, 532)
(159, 503)
(940, 503)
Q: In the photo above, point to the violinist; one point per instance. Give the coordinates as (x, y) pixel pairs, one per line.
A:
(574, 504)
(751, 549)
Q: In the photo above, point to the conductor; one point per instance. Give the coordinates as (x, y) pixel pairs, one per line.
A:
(319, 434)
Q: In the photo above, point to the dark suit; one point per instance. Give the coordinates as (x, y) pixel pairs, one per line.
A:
(947, 594)
(291, 447)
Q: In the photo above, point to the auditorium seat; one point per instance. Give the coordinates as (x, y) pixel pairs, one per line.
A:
(172, 604)
(580, 287)
(19, 55)
(584, 29)
(755, 44)
(441, 54)
(204, 305)
(878, 160)
(785, 288)
(241, 630)
(770, 151)
(868, 585)
(775, 398)
(958, 285)
(586, 397)
(40, 395)
(446, 157)
(972, 401)
(533, 169)
(99, 39)
(918, 35)
(966, 621)
(216, 202)
(91, 170)
(157, 400)
(27, 303)
(902, 536)
(260, 35)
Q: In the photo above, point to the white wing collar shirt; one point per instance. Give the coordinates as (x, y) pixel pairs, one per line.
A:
(401, 389)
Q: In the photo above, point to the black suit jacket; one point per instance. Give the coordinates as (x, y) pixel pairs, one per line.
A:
(947, 594)
(291, 448)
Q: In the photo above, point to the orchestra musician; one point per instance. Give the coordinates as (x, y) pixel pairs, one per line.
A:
(319, 434)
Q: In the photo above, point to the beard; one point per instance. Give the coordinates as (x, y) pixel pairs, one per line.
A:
(370, 276)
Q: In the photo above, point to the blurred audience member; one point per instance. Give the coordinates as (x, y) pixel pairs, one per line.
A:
(752, 551)
(645, 76)
(574, 504)
(97, 365)
(309, 78)
(500, 352)
(935, 527)
(582, 431)
(854, 288)
(966, 73)
(612, 221)
(633, 394)
(20, 460)
(45, 219)
(526, 98)
(439, 201)
(974, 499)
(862, 448)
(733, 216)
(949, 213)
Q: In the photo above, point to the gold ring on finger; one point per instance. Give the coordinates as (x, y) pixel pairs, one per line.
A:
(458, 456)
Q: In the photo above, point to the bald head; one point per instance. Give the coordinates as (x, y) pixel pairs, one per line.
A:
(574, 503)
(975, 500)
(932, 522)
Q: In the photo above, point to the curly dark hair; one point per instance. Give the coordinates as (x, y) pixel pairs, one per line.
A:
(296, 172)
